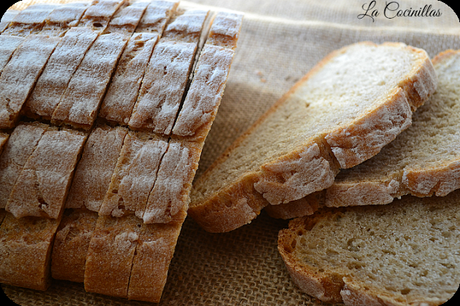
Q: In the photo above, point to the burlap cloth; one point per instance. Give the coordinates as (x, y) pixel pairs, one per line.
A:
(280, 41)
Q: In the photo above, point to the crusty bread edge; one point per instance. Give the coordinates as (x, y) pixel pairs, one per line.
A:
(332, 286)
(422, 76)
(319, 284)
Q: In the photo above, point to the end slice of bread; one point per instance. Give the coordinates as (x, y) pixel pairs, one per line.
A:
(354, 102)
(399, 254)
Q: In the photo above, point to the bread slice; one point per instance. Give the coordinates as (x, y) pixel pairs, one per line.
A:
(99, 14)
(399, 254)
(350, 105)
(68, 257)
(20, 146)
(58, 72)
(42, 186)
(63, 18)
(423, 161)
(154, 252)
(95, 168)
(8, 44)
(79, 104)
(29, 20)
(124, 88)
(25, 250)
(21, 73)
(110, 255)
(134, 175)
(7, 18)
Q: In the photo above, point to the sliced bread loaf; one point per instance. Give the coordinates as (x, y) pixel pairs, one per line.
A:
(354, 102)
(424, 160)
(404, 253)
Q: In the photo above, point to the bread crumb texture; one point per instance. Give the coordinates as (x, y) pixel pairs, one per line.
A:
(400, 254)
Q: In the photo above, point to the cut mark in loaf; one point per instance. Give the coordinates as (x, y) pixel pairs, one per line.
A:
(124, 88)
(64, 17)
(110, 255)
(7, 18)
(25, 250)
(163, 87)
(422, 161)
(8, 44)
(99, 14)
(79, 104)
(169, 72)
(18, 149)
(58, 72)
(20, 74)
(30, 20)
(350, 105)
(95, 168)
(70, 248)
(42, 186)
(134, 175)
(400, 254)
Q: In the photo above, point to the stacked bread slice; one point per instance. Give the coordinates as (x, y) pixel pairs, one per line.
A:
(88, 195)
(343, 112)
(398, 254)
(288, 162)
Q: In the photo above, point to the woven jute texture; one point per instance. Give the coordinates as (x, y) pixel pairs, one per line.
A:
(280, 42)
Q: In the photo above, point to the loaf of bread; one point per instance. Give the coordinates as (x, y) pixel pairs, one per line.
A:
(423, 161)
(86, 194)
(403, 253)
(350, 105)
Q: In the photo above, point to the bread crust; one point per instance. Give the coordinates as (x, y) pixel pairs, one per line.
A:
(364, 139)
(322, 285)
(71, 244)
(25, 251)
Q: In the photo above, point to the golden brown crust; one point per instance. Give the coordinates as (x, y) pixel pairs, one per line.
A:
(235, 206)
(154, 252)
(325, 286)
(25, 251)
(110, 255)
(71, 244)
(302, 207)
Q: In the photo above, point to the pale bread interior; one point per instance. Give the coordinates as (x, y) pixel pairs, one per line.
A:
(348, 86)
(404, 252)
